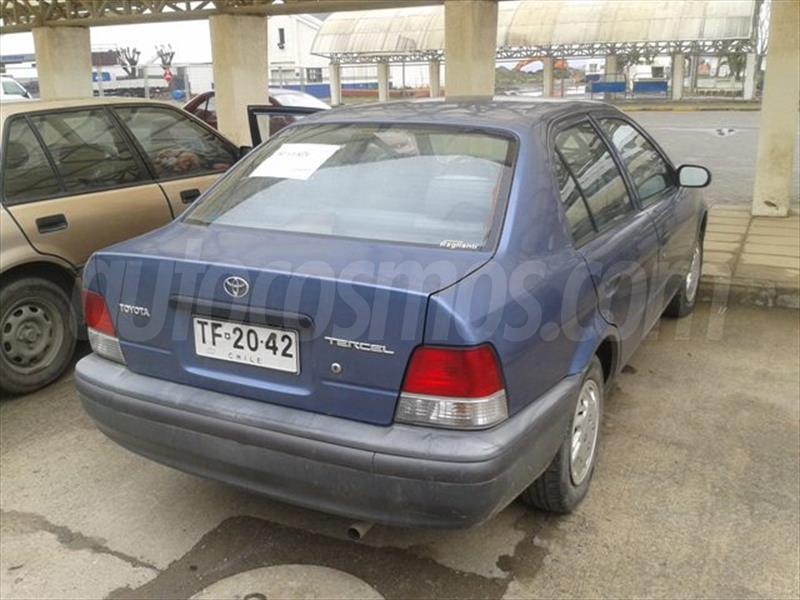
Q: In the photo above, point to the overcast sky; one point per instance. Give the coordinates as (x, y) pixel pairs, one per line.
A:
(189, 39)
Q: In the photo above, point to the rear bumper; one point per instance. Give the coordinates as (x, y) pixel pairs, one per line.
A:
(398, 475)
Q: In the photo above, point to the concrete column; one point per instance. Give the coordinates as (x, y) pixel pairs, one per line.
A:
(435, 68)
(694, 69)
(611, 66)
(547, 77)
(383, 82)
(335, 76)
(750, 77)
(612, 70)
(239, 54)
(678, 63)
(63, 62)
(779, 115)
(470, 31)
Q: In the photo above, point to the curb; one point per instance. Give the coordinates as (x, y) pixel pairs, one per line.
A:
(748, 292)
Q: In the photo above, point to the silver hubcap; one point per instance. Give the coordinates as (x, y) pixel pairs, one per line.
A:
(30, 335)
(585, 426)
(693, 276)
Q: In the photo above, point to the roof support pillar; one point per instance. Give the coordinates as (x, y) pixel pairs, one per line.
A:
(547, 77)
(470, 31)
(694, 70)
(383, 82)
(612, 71)
(779, 116)
(335, 77)
(678, 62)
(239, 53)
(435, 72)
(750, 77)
(63, 62)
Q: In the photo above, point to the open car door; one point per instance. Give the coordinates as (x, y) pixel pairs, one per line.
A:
(265, 121)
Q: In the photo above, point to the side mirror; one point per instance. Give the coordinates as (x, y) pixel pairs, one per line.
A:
(243, 150)
(693, 176)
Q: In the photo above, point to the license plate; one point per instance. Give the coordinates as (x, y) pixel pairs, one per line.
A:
(266, 347)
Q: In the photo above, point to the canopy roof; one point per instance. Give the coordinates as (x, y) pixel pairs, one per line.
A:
(547, 28)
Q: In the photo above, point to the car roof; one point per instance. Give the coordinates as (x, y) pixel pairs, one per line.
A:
(506, 112)
(9, 109)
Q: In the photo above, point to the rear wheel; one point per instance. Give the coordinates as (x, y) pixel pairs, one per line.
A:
(685, 298)
(565, 482)
(37, 334)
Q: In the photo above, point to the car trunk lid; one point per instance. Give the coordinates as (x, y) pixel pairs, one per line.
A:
(358, 309)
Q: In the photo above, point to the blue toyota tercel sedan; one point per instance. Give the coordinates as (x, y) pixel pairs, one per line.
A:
(408, 313)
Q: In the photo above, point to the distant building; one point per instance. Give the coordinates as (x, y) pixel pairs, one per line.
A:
(290, 60)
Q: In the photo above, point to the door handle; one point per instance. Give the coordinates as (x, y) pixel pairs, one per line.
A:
(51, 223)
(189, 196)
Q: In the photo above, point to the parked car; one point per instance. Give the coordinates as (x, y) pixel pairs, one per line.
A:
(413, 325)
(12, 90)
(80, 175)
(204, 107)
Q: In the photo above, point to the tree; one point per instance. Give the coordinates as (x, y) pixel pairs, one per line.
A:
(128, 58)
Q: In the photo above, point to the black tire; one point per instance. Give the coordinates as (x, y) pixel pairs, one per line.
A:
(37, 334)
(556, 490)
(684, 300)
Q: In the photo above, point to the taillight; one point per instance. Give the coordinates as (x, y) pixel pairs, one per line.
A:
(96, 313)
(453, 387)
(100, 327)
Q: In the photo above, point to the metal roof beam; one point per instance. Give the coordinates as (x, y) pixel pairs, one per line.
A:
(23, 15)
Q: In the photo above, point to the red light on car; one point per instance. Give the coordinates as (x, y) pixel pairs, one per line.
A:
(96, 313)
(470, 372)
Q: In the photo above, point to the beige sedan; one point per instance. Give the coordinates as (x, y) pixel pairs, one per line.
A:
(79, 175)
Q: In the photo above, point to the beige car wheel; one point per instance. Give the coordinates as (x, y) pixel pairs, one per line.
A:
(37, 334)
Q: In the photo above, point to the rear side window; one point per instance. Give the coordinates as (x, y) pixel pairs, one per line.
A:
(590, 162)
(649, 171)
(176, 145)
(27, 174)
(441, 186)
(580, 223)
(88, 150)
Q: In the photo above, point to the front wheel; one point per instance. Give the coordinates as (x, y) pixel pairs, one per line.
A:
(685, 298)
(565, 482)
(37, 334)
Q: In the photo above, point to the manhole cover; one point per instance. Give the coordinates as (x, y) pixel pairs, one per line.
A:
(289, 582)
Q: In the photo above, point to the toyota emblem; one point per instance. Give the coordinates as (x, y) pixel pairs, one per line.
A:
(236, 287)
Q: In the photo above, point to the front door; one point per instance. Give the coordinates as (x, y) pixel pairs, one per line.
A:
(623, 254)
(185, 156)
(653, 180)
(266, 121)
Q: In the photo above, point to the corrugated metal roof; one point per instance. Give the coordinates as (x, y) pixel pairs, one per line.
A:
(542, 23)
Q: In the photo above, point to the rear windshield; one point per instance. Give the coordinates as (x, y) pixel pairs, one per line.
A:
(441, 186)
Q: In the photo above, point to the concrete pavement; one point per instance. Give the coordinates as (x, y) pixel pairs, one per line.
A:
(751, 260)
(696, 495)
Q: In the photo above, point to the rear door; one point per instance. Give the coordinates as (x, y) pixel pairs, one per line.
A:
(184, 155)
(266, 121)
(74, 184)
(622, 251)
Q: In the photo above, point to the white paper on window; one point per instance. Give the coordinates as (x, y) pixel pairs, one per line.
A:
(295, 161)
